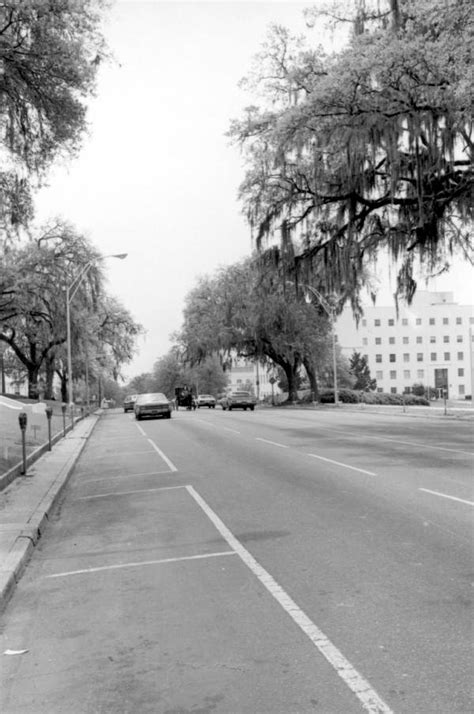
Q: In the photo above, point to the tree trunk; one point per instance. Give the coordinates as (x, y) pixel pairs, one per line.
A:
(33, 372)
(291, 373)
(48, 390)
(313, 382)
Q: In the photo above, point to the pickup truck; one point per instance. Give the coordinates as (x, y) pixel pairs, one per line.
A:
(238, 400)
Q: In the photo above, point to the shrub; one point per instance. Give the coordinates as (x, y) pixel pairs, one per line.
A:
(351, 396)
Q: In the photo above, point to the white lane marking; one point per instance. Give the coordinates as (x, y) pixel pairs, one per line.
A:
(397, 441)
(274, 443)
(339, 463)
(108, 478)
(163, 456)
(140, 429)
(127, 493)
(226, 428)
(356, 683)
(138, 565)
(445, 495)
(123, 453)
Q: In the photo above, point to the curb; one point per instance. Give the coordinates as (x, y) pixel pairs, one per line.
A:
(29, 533)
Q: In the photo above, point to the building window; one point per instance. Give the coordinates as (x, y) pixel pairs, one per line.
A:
(418, 320)
(420, 373)
(379, 374)
(433, 339)
(378, 358)
(419, 340)
(377, 323)
(405, 340)
(471, 320)
(391, 340)
(419, 356)
(447, 356)
(459, 321)
(365, 341)
(445, 320)
(461, 389)
(459, 338)
(364, 323)
(445, 338)
(433, 356)
(392, 357)
(379, 389)
(406, 374)
(405, 321)
(432, 321)
(406, 356)
(393, 374)
(460, 356)
(461, 372)
(393, 390)
(378, 340)
(391, 322)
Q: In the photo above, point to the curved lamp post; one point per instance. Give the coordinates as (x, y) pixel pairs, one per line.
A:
(71, 291)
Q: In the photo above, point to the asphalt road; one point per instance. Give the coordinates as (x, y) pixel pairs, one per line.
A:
(275, 561)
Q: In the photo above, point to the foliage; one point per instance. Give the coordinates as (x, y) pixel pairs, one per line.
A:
(245, 309)
(348, 396)
(49, 54)
(367, 149)
(359, 368)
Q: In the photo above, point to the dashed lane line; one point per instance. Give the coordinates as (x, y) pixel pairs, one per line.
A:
(274, 443)
(368, 697)
(121, 566)
(445, 495)
(339, 463)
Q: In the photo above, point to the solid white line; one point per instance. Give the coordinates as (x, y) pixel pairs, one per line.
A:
(274, 443)
(445, 495)
(226, 428)
(138, 565)
(346, 466)
(127, 493)
(107, 478)
(140, 430)
(163, 456)
(356, 683)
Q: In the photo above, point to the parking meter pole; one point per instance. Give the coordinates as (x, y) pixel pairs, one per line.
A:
(63, 409)
(49, 414)
(23, 419)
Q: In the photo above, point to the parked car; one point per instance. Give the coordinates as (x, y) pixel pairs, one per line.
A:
(152, 405)
(238, 400)
(206, 400)
(129, 402)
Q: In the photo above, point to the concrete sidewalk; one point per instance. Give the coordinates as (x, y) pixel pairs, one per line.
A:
(26, 503)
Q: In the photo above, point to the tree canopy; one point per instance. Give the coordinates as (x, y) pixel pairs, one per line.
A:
(364, 150)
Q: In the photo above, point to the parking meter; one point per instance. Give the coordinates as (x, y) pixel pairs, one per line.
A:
(23, 420)
(63, 409)
(49, 414)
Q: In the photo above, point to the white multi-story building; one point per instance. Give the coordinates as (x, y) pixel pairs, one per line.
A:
(430, 342)
(243, 372)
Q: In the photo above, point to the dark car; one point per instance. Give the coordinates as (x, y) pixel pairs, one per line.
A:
(152, 405)
(238, 400)
(206, 400)
(129, 402)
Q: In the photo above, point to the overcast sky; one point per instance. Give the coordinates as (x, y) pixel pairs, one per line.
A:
(157, 177)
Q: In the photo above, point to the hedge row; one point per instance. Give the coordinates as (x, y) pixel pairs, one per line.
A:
(351, 396)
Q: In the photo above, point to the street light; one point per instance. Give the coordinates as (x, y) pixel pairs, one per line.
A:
(71, 291)
(330, 308)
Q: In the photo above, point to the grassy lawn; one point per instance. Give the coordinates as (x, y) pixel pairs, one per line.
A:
(36, 430)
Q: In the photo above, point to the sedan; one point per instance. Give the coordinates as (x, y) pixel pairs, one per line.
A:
(152, 405)
(129, 402)
(206, 400)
